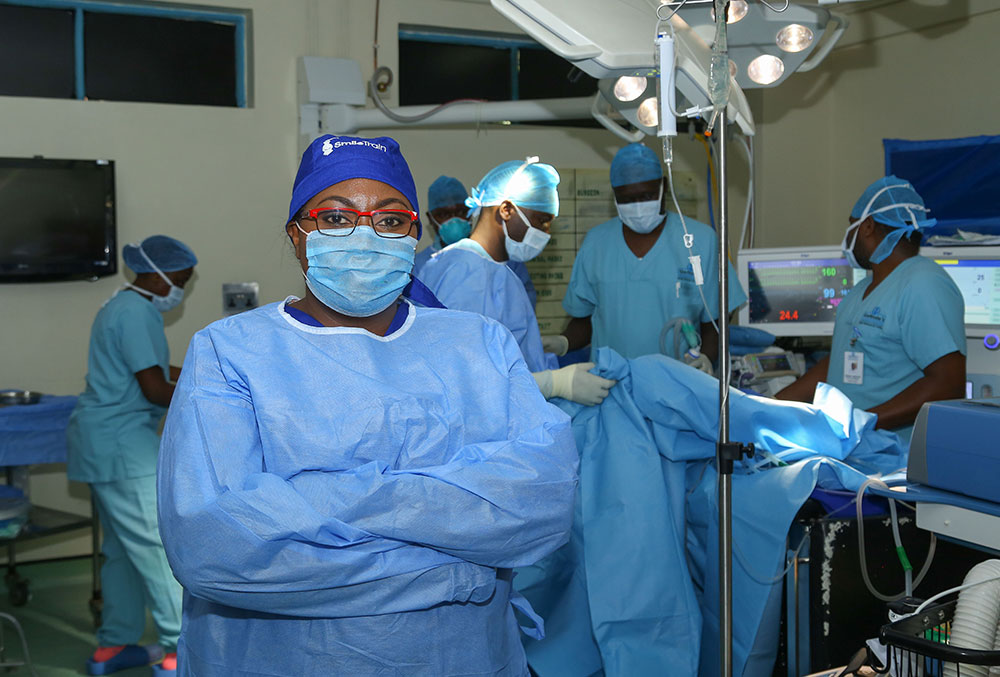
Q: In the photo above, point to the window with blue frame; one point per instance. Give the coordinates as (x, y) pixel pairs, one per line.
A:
(437, 65)
(114, 51)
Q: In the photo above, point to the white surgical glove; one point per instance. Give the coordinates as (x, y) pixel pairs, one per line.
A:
(574, 383)
(701, 362)
(556, 344)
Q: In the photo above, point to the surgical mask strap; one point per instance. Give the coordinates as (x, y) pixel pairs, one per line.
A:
(144, 292)
(908, 206)
(155, 267)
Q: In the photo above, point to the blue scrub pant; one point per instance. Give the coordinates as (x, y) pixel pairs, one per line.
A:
(135, 573)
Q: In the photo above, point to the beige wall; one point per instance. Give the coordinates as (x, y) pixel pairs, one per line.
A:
(924, 69)
(219, 179)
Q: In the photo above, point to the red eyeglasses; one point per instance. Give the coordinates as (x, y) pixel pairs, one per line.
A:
(341, 221)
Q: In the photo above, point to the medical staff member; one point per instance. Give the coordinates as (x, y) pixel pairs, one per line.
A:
(346, 479)
(512, 208)
(899, 335)
(634, 277)
(448, 218)
(113, 445)
(446, 215)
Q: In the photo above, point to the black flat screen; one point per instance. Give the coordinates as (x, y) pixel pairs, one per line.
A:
(57, 219)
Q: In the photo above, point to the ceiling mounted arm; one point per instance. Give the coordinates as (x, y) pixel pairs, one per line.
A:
(605, 120)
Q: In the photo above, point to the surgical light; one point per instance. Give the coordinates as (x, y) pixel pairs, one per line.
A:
(794, 38)
(766, 69)
(737, 10)
(629, 87)
(648, 113)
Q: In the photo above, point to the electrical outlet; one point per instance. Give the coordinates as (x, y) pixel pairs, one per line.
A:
(239, 296)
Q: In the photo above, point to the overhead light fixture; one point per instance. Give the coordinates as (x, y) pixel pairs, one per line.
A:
(648, 113)
(766, 69)
(629, 87)
(802, 35)
(794, 38)
(737, 10)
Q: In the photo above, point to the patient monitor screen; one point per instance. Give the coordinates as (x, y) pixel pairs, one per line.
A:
(979, 282)
(794, 290)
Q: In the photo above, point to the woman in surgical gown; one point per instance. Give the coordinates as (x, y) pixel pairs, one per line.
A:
(346, 479)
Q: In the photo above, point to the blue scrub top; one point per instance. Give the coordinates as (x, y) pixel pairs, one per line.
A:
(112, 433)
(915, 316)
(465, 277)
(629, 299)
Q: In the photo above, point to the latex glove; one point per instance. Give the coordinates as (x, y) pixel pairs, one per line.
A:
(577, 384)
(701, 363)
(556, 344)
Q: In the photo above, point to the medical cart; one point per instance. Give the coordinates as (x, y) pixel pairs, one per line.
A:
(30, 434)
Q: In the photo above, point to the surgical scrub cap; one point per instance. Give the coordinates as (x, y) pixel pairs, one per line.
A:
(635, 163)
(529, 185)
(331, 159)
(166, 252)
(893, 202)
(445, 192)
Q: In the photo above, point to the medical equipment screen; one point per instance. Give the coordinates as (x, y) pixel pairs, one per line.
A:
(979, 282)
(57, 219)
(798, 291)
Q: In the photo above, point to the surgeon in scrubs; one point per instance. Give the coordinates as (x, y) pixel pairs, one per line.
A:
(346, 479)
(899, 335)
(634, 280)
(512, 209)
(113, 443)
(448, 217)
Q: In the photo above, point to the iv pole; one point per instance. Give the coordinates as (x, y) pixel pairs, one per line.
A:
(727, 453)
(724, 466)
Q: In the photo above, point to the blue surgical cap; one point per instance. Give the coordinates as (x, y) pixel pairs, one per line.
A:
(331, 159)
(529, 185)
(167, 253)
(893, 202)
(445, 192)
(635, 163)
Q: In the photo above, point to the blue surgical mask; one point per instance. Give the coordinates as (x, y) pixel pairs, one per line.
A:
(848, 249)
(642, 217)
(530, 246)
(361, 274)
(162, 303)
(453, 230)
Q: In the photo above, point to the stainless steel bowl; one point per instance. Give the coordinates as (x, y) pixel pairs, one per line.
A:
(20, 397)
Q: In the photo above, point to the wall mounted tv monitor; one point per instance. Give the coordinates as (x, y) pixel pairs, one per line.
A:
(57, 219)
(794, 291)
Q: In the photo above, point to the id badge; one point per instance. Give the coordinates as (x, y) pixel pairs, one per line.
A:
(854, 368)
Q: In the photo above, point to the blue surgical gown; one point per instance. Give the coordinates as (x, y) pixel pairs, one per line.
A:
(629, 300)
(464, 277)
(912, 318)
(112, 432)
(423, 256)
(521, 270)
(336, 502)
